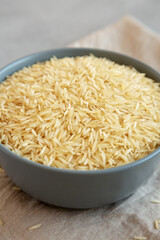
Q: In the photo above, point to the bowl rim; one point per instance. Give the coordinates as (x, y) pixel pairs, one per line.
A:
(73, 171)
(80, 172)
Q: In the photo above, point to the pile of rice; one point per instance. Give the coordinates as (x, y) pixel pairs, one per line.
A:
(80, 113)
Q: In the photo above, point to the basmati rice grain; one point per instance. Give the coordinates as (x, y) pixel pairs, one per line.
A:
(16, 188)
(1, 222)
(140, 238)
(2, 170)
(155, 201)
(156, 224)
(34, 227)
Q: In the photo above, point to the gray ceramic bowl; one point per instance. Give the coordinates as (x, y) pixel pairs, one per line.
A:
(73, 188)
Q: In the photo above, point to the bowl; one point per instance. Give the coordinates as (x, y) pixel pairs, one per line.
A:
(77, 188)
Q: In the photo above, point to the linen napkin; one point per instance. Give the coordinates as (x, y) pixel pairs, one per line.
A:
(22, 217)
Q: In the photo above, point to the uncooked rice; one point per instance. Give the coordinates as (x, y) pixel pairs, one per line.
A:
(155, 201)
(82, 113)
(2, 170)
(16, 188)
(1, 222)
(140, 238)
(34, 227)
(157, 223)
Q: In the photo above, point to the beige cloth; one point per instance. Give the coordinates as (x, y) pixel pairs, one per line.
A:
(129, 218)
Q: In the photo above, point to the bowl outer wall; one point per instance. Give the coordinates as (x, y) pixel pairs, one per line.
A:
(72, 188)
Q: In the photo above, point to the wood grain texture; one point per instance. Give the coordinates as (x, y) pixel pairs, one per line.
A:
(131, 217)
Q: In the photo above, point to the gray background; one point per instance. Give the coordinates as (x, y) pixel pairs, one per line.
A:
(34, 25)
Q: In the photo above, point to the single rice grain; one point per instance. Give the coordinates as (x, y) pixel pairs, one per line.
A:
(140, 238)
(16, 188)
(34, 227)
(2, 170)
(155, 201)
(1, 222)
(157, 224)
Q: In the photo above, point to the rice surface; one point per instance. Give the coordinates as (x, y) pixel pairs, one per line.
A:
(81, 113)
